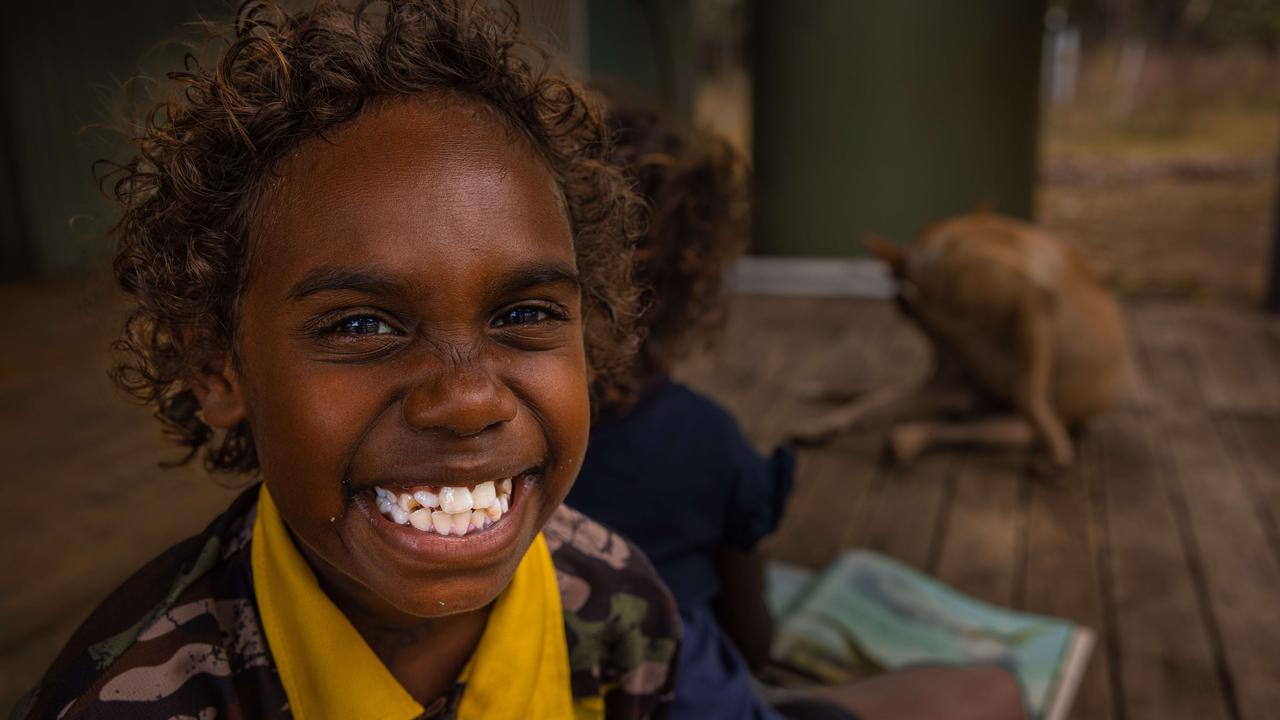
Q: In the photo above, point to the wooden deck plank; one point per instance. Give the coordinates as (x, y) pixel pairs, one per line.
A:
(1227, 543)
(1235, 371)
(49, 586)
(1254, 440)
(1241, 574)
(70, 434)
(981, 547)
(1164, 660)
(908, 513)
(1064, 552)
(1160, 332)
(831, 487)
(778, 355)
(860, 345)
(1237, 354)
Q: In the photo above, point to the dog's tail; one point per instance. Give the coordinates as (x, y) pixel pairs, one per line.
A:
(885, 251)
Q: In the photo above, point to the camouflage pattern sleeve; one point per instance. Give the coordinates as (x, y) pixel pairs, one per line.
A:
(180, 639)
(621, 623)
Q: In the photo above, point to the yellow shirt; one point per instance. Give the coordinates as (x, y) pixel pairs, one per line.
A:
(520, 668)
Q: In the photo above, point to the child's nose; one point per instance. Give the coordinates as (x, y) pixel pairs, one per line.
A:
(463, 399)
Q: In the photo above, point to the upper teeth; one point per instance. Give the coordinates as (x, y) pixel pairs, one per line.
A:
(450, 510)
(454, 500)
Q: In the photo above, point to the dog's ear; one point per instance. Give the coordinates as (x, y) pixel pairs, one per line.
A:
(891, 254)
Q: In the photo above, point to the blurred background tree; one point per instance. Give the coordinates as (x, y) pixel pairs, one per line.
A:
(1206, 23)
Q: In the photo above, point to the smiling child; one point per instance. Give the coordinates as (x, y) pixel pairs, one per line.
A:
(377, 260)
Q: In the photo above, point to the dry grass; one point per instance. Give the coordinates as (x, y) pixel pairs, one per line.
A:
(1175, 198)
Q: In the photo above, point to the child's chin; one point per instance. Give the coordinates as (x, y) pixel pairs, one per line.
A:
(452, 596)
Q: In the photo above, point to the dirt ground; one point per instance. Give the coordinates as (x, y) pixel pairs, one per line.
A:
(1171, 184)
(1179, 211)
(1167, 234)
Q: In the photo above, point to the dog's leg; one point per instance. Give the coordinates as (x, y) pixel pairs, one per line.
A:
(823, 427)
(914, 399)
(910, 440)
(1033, 390)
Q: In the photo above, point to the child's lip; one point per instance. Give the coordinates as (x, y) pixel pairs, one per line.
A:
(445, 477)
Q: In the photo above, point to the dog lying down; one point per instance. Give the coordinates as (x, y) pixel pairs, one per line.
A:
(1027, 343)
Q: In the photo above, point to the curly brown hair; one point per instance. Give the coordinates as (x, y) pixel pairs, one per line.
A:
(696, 187)
(188, 195)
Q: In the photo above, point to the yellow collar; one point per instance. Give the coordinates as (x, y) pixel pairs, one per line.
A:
(520, 669)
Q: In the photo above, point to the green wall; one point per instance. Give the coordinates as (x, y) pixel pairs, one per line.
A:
(62, 66)
(883, 115)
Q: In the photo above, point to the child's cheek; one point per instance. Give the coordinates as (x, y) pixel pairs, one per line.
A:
(554, 386)
(306, 422)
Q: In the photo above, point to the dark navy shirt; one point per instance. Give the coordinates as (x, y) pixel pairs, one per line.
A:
(677, 477)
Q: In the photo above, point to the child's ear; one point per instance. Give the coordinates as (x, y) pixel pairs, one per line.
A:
(891, 254)
(220, 395)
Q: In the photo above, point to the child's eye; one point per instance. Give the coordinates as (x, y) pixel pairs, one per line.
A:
(361, 325)
(522, 315)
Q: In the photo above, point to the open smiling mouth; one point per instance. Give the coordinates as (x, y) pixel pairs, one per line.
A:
(450, 510)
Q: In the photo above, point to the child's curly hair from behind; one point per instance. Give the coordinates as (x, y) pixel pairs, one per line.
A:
(696, 186)
(188, 195)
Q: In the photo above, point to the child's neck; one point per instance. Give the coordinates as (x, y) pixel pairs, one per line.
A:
(426, 655)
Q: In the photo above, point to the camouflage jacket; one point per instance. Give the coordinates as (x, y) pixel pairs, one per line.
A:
(182, 638)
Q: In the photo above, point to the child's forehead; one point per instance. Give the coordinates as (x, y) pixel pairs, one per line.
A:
(401, 177)
(397, 138)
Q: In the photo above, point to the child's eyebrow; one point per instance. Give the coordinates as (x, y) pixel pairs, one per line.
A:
(334, 279)
(330, 279)
(540, 274)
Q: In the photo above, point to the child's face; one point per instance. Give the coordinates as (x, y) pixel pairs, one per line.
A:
(412, 322)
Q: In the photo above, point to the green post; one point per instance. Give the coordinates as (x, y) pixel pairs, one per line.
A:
(884, 116)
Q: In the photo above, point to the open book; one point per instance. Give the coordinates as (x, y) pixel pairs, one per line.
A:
(866, 613)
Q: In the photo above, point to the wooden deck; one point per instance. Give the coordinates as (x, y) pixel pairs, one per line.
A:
(85, 502)
(1165, 537)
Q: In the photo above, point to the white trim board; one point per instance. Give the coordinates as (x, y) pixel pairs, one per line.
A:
(839, 277)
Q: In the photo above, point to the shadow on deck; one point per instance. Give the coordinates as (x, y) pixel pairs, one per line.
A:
(1163, 538)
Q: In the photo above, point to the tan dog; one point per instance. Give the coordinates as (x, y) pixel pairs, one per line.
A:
(1026, 340)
